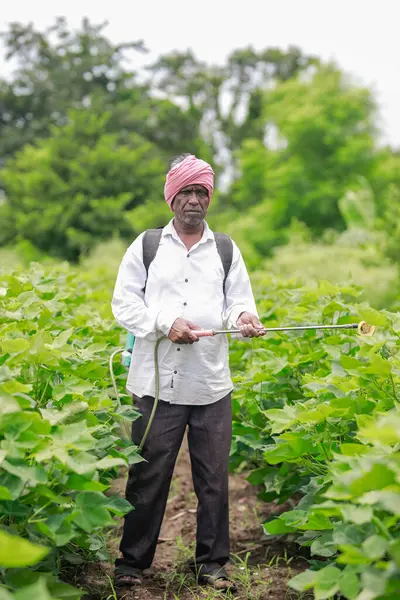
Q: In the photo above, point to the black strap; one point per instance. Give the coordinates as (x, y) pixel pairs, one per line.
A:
(225, 250)
(151, 241)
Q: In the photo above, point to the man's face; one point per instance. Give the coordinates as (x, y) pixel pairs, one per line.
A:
(190, 205)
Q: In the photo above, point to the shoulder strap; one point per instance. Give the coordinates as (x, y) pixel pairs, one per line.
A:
(150, 243)
(225, 250)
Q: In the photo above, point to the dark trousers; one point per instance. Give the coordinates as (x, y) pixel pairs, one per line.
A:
(209, 438)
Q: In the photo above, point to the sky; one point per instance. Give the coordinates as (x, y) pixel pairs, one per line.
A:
(361, 36)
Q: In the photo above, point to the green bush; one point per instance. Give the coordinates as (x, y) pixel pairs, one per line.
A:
(340, 263)
(61, 440)
(316, 418)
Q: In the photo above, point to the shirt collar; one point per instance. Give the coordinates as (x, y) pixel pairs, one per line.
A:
(169, 229)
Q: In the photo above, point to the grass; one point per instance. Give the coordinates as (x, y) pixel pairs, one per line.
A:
(266, 579)
(113, 594)
(252, 581)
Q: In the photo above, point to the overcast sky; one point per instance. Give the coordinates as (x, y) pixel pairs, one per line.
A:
(362, 36)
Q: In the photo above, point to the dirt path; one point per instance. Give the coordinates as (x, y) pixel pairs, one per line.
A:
(261, 570)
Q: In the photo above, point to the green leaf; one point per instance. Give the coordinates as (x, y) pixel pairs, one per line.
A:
(13, 386)
(78, 482)
(372, 316)
(30, 475)
(276, 527)
(352, 449)
(13, 484)
(304, 581)
(385, 430)
(378, 366)
(4, 492)
(375, 547)
(387, 499)
(323, 546)
(379, 476)
(329, 509)
(109, 462)
(17, 424)
(8, 404)
(356, 514)
(73, 411)
(349, 583)
(92, 513)
(36, 591)
(64, 591)
(280, 419)
(63, 338)
(347, 534)
(374, 582)
(127, 412)
(352, 555)
(18, 552)
(81, 463)
(289, 446)
(327, 583)
(14, 346)
(118, 505)
(350, 363)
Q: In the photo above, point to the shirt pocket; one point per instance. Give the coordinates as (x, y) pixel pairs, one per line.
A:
(213, 276)
(166, 271)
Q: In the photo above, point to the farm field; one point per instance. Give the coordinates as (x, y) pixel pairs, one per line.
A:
(315, 462)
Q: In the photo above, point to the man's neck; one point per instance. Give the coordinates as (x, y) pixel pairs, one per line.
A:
(188, 230)
(189, 235)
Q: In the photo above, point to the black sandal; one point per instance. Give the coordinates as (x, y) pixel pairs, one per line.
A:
(125, 576)
(214, 575)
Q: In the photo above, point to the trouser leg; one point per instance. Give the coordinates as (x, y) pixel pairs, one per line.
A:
(210, 434)
(149, 482)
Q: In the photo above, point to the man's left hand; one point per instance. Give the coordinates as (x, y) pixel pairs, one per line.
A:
(250, 325)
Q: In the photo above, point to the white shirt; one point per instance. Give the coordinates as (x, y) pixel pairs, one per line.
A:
(185, 284)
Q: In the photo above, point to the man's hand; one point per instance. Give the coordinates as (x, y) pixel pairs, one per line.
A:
(250, 325)
(183, 332)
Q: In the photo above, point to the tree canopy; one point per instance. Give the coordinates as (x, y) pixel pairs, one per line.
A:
(85, 140)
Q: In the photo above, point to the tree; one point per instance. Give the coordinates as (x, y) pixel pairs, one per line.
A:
(79, 186)
(206, 90)
(320, 139)
(58, 70)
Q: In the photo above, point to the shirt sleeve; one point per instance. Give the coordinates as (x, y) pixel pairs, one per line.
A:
(238, 292)
(128, 302)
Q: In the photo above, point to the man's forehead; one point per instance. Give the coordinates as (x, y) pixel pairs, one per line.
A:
(192, 186)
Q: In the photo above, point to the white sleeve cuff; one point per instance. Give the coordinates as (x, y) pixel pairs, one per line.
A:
(234, 315)
(165, 320)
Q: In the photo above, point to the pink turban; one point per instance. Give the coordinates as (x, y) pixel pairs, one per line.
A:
(190, 171)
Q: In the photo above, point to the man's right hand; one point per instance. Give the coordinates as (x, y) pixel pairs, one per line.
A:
(183, 332)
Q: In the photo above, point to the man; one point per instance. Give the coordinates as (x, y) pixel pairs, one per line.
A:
(184, 292)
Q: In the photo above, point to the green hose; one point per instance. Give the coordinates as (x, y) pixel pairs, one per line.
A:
(157, 387)
(114, 383)
(156, 392)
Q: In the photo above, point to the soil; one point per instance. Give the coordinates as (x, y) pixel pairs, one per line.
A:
(260, 567)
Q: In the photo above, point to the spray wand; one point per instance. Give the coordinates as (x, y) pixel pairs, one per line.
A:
(363, 329)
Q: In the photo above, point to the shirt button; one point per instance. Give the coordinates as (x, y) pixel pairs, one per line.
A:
(175, 372)
(178, 349)
(185, 304)
(186, 280)
(188, 255)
